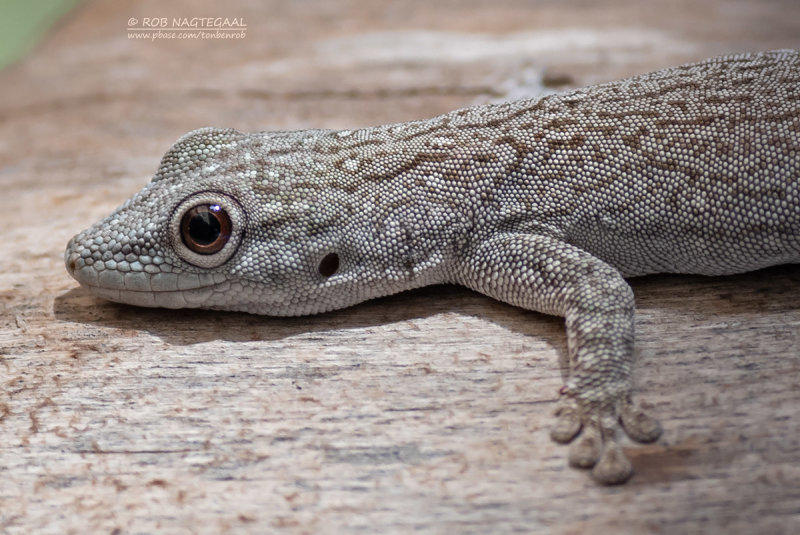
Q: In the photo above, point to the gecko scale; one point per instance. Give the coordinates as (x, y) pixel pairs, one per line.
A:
(546, 204)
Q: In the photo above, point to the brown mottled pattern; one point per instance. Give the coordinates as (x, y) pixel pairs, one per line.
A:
(546, 204)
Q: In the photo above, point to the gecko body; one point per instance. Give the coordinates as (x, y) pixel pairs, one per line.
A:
(546, 204)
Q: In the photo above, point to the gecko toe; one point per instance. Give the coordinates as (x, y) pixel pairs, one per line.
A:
(613, 468)
(568, 421)
(586, 450)
(638, 425)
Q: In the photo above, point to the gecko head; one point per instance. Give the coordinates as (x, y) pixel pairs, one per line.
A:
(226, 223)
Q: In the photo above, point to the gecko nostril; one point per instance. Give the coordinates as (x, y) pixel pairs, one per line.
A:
(72, 266)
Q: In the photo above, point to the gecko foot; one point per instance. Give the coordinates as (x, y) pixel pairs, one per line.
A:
(592, 432)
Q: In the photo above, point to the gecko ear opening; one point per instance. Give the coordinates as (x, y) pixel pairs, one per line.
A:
(329, 265)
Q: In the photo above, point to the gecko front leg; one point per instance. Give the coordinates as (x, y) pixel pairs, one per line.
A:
(548, 275)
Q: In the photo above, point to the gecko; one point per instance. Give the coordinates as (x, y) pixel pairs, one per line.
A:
(547, 204)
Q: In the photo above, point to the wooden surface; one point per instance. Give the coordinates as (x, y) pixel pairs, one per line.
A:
(428, 411)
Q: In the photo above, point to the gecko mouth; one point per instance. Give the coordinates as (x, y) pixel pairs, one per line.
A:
(143, 288)
(194, 298)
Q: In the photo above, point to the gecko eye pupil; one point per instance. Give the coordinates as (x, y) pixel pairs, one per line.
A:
(206, 228)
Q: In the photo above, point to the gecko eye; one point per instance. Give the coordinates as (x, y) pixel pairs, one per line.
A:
(205, 229)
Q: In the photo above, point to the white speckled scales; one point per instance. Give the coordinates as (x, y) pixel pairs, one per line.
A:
(546, 204)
